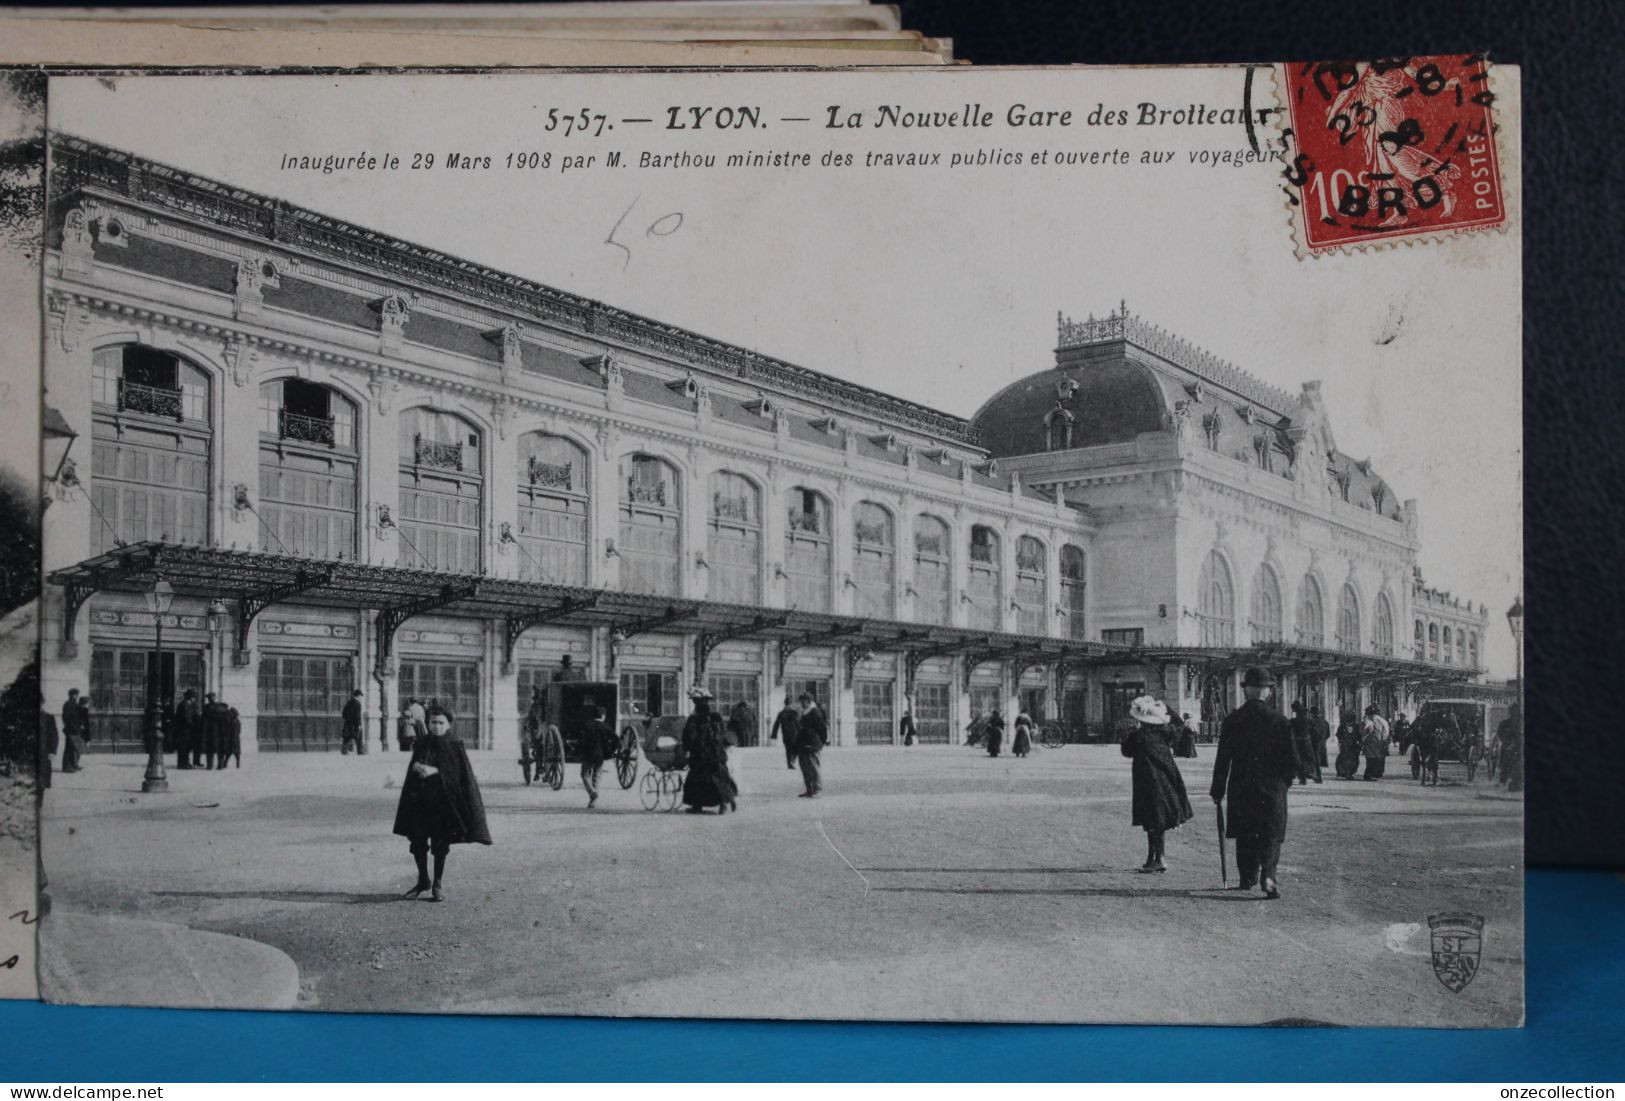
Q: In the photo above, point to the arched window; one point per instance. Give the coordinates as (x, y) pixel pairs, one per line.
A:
(986, 578)
(1266, 606)
(1216, 598)
(1311, 614)
(1472, 651)
(151, 448)
(874, 562)
(933, 571)
(809, 551)
(1058, 425)
(1348, 619)
(1032, 577)
(1421, 646)
(308, 469)
(1433, 643)
(1383, 626)
(651, 539)
(1461, 646)
(735, 553)
(1446, 648)
(441, 490)
(1073, 590)
(554, 498)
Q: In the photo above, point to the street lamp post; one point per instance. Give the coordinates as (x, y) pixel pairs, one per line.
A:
(1515, 622)
(159, 598)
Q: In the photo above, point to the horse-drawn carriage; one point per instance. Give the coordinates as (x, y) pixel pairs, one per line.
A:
(551, 736)
(1456, 731)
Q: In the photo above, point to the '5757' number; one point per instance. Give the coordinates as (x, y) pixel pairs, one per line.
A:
(583, 121)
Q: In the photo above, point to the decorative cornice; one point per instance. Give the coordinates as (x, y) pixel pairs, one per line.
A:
(78, 165)
(1122, 326)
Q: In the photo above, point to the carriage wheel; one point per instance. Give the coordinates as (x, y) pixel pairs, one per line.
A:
(671, 784)
(553, 758)
(1054, 735)
(1472, 761)
(649, 794)
(626, 759)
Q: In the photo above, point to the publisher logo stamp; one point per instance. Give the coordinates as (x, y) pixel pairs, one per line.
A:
(1457, 941)
(1391, 149)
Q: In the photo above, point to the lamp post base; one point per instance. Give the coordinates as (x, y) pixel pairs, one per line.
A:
(155, 779)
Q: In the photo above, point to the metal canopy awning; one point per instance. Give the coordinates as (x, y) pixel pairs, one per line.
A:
(257, 580)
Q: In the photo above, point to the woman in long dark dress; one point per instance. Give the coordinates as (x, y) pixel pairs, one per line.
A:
(440, 802)
(1160, 803)
(708, 783)
(995, 733)
(1348, 747)
(1022, 743)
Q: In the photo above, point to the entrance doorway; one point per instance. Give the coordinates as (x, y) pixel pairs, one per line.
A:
(876, 722)
(728, 691)
(931, 711)
(301, 697)
(1033, 701)
(1215, 705)
(455, 686)
(120, 680)
(1118, 695)
(647, 695)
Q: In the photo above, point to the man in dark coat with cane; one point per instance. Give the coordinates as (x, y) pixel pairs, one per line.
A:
(1254, 768)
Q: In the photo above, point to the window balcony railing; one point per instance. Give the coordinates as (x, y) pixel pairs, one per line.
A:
(549, 475)
(305, 429)
(930, 545)
(808, 522)
(157, 401)
(646, 493)
(878, 535)
(981, 552)
(731, 508)
(432, 453)
(1030, 563)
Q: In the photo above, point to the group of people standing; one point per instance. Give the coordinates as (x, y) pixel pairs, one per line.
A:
(205, 735)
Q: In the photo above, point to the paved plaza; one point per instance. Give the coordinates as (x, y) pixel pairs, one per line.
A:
(927, 883)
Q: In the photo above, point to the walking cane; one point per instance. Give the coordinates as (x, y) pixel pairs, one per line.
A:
(1224, 862)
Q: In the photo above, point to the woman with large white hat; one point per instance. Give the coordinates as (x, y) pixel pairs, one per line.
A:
(1160, 803)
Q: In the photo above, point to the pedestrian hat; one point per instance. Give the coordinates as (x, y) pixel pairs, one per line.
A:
(1145, 709)
(1257, 677)
(1297, 705)
(700, 692)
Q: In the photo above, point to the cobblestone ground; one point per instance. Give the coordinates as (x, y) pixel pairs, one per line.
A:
(926, 883)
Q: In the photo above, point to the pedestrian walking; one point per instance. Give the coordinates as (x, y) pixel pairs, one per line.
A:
(905, 729)
(1022, 743)
(185, 731)
(440, 803)
(216, 730)
(1160, 803)
(708, 783)
(1303, 743)
(1402, 732)
(420, 719)
(74, 730)
(1321, 732)
(812, 734)
(741, 724)
(994, 733)
(232, 746)
(1252, 771)
(1374, 743)
(1348, 746)
(596, 745)
(404, 734)
(1424, 736)
(1510, 734)
(351, 714)
(1180, 733)
(784, 726)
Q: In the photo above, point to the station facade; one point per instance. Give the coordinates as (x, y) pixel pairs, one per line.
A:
(251, 379)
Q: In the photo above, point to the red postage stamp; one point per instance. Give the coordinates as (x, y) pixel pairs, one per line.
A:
(1391, 149)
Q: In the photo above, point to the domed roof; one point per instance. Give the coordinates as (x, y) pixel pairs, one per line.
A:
(1109, 399)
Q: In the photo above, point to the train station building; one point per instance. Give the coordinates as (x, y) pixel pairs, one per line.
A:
(361, 463)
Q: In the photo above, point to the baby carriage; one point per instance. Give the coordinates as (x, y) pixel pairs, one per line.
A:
(662, 786)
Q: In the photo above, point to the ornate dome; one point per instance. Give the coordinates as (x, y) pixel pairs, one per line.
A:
(1104, 400)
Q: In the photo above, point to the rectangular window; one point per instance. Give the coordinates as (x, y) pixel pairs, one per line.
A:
(1124, 636)
(729, 690)
(931, 713)
(876, 721)
(649, 694)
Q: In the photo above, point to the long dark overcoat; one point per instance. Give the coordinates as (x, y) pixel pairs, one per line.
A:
(216, 727)
(1160, 802)
(1303, 743)
(446, 806)
(1254, 769)
(708, 783)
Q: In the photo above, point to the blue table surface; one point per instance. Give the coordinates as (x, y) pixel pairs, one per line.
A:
(1575, 1032)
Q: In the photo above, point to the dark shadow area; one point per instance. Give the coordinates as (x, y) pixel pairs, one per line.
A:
(1209, 894)
(1003, 871)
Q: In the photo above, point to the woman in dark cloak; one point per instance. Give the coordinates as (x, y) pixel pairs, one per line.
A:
(709, 783)
(440, 802)
(994, 733)
(1160, 803)
(1348, 746)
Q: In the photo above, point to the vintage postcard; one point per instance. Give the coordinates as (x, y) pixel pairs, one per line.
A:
(937, 544)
